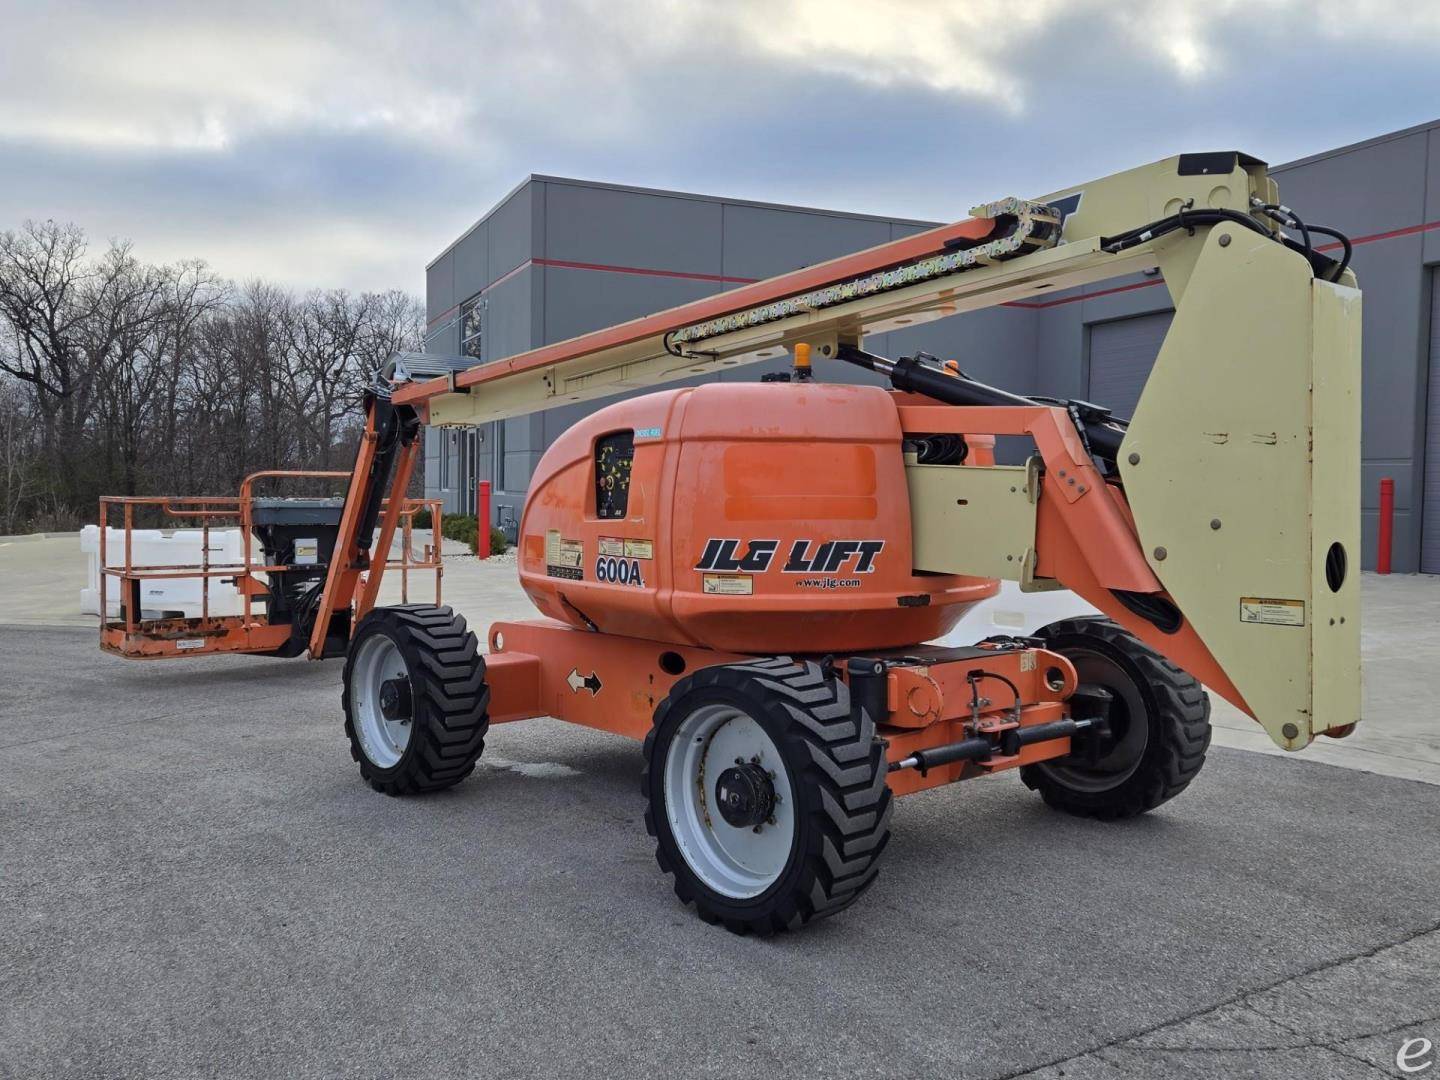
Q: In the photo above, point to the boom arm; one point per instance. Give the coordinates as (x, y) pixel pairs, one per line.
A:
(1219, 525)
(383, 464)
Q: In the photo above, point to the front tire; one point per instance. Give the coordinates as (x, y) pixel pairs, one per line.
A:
(766, 797)
(415, 699)
(1159, 721)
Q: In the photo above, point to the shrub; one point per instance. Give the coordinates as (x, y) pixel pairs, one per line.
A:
(499, 542)
(462, 527)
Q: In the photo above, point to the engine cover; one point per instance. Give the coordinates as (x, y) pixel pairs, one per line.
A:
(755, 518)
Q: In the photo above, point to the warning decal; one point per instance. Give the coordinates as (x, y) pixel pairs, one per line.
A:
(729, 584)
(564, 558)
(611, 545)
(639, 549)
(1260, 609)
(562, 552)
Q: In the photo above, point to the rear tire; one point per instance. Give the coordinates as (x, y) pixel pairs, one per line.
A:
(415, 699)
(826, 796)
(1159, 718)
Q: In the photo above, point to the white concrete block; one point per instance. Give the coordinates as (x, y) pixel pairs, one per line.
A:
(163, 547)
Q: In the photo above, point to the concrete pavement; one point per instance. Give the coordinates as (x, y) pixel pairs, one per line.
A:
(196, 883)
(1400, 645)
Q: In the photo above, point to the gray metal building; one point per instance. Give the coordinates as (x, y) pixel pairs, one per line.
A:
(558, 257)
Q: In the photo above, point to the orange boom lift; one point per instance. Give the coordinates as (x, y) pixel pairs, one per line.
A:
(746, 576)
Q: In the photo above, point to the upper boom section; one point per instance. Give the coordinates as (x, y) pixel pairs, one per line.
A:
(1011, 250)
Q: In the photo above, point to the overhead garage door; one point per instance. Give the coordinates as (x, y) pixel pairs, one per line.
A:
(1121, 356)
(1430, 523)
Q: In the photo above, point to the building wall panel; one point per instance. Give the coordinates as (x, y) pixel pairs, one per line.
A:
(609, 227)
(761, 242)
(1430, 527)
(472, 263)
(511, 232)
(1121, 354)
(439, 286)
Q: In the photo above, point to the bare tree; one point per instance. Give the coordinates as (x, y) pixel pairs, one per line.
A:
(123, 376)
(325, 331)
(19, 454)
(42, 276)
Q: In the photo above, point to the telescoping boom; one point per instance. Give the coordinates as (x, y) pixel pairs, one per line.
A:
(1220, 524)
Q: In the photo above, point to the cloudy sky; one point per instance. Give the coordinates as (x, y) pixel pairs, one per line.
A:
(347, 144)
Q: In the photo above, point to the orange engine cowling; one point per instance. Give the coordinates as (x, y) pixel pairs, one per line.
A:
(748, 517)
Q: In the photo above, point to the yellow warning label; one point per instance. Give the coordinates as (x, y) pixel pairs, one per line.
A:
(611, 545)
(562, 552)
(1260, 609)
(729, 584)
(640, 549)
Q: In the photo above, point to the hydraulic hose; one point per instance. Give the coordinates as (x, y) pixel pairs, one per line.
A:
(1325, 230)
(909, 373)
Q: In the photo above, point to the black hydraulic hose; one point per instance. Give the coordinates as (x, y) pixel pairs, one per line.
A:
(1186, 219)
(387, 431)
(975, 677)
(1189, 219)
(1304, 233)
(1325, 230)
(910, 374)
(1285, 216)
(394, 425)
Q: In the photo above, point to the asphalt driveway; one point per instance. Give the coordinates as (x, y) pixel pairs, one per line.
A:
(195, 883)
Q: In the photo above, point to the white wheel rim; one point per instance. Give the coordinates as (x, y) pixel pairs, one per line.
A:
(735, 862)
(376, 662)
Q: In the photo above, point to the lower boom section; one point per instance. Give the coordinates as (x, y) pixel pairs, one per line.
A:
(1008, 703)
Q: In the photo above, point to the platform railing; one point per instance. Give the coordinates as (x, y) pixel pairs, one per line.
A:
(211, 512)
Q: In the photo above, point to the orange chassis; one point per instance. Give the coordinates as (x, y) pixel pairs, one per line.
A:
(544, 668)
(933, 697)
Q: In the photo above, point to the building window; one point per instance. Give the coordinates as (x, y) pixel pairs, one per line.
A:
(471, 325)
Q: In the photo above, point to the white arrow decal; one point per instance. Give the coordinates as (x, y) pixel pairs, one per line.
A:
(580, 682)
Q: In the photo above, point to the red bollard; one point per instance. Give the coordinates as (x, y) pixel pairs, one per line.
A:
(1387, 525)
(482, 520)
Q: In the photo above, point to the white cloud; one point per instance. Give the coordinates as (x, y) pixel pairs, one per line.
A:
(283, 137)
(967, 49)
(190, 76)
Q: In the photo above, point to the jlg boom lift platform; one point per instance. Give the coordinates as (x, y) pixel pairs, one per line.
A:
(744, 575)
